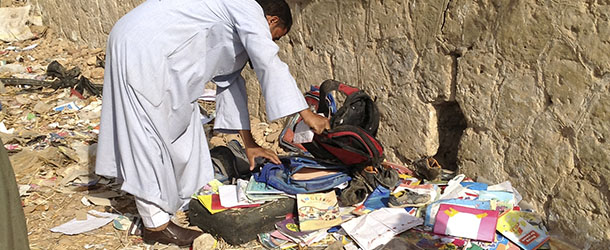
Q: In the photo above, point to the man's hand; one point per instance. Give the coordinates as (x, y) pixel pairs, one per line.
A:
(253, 150)
(317, 123)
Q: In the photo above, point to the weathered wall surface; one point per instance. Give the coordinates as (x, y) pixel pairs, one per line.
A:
(513, 90)
(87, 22)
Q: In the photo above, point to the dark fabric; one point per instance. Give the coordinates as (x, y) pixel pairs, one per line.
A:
(13, 232)
(358, 109)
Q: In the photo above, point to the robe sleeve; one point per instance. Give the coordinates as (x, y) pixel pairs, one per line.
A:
(231, 104)
(281, 93)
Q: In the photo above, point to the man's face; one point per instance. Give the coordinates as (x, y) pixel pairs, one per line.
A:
(277, 30)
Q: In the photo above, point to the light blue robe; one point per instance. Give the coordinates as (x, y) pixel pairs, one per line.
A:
(159, 57)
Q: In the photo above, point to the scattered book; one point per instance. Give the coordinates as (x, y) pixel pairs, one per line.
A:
(517, 229)
(255, 187)
(290, 229)
(318, 210)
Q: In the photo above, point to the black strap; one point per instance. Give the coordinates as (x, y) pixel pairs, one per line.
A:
(326, 87)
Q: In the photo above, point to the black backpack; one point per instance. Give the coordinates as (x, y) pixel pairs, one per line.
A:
(358, 109)
(351, 139)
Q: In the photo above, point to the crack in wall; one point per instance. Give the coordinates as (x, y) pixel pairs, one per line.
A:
(445, 13)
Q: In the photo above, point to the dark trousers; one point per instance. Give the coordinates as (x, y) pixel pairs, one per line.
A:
(13, 231)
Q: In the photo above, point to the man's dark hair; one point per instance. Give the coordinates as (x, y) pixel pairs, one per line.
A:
(277, 8)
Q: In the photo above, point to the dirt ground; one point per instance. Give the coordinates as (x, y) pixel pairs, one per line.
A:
(53, 152)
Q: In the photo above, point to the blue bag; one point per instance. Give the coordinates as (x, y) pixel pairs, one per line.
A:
(282, 176)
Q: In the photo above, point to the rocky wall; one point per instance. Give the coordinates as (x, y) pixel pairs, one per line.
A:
(513, 90)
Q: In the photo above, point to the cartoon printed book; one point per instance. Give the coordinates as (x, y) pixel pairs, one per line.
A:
(318, 210)
(517, 229)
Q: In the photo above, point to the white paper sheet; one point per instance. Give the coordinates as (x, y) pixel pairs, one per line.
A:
(302, 133)
(94, 220)
(229, 197)
(379, 227)
(506, 186)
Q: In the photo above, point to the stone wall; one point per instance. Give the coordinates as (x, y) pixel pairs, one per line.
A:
(502, 89)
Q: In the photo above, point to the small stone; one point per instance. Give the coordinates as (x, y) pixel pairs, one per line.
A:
(216, 141)
(273, 136)
(97, 73)
(274, 126)
(257, 135)
(95, 51)
(86, 73)
(204, 242)
(91, 61)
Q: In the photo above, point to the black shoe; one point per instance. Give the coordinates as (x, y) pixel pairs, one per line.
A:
(173, 234)
(427, 168)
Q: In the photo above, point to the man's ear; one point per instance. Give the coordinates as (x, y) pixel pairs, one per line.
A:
(272, 19)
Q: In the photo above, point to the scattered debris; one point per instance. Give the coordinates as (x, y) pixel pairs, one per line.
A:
(94, 220)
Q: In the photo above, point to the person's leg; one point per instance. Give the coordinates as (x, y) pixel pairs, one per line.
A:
(160, 228)
(13, 230)
(153, 217)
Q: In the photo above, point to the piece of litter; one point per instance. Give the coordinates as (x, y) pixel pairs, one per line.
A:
(122, 223)
(95, 246)
(85, 201)
(4, 130)
(53, 125)
(67, 106)
(31, 47)
(99, 201)
(94, 220)
(23, 190)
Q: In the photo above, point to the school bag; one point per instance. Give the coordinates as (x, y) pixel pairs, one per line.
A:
(230, 162)
(351, 139)
(301, 174)
(358, 109)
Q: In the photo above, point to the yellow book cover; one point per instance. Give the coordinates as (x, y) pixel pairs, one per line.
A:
(318, 210)
(206, 201)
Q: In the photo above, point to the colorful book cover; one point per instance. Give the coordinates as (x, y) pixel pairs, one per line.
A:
(318, 210)
(500, 200)
(291, 229)
(207, 202)
(501, 243)
(432, 209)
(466, 222)
(518, 230)
(255, 187)
(474, 185)
(377, 199)
(428, 240)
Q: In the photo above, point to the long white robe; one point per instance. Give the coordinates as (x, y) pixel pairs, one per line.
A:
(158, 59)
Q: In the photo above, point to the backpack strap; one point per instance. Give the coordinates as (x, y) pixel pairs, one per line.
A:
(329, 86)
